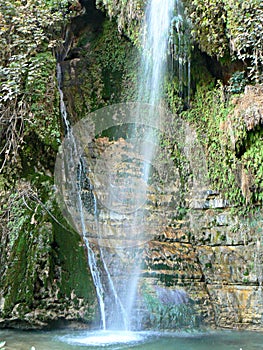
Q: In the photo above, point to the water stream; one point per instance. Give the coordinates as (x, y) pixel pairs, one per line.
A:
(132, 181)
(155, 38)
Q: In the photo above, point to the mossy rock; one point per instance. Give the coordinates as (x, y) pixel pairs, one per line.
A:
(46, 277)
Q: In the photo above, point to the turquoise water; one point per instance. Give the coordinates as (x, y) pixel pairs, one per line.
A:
(98, 340)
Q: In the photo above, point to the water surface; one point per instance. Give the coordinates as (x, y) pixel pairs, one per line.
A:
(98, 340)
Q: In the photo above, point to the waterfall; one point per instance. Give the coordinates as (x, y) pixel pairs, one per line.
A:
(155, 37)
(68, 164)
(104, 185)
(129, 186)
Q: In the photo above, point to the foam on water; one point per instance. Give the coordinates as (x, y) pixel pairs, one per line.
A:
(104, 338)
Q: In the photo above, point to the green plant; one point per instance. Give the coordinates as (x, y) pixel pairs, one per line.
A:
(209, 115)
(237, 83)
(252, 159)
(168, 315)
(30, 32)
(233, 152)
(223, 27)
(208, 18)
(244, 31)
(128, 13)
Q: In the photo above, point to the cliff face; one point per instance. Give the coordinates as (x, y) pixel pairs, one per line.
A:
(206, 260)
(210, 249)
(217, 260)
(230, 252)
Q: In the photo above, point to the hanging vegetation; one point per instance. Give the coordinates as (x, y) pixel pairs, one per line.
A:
(230, 26)
(129, 13)
(29, 33)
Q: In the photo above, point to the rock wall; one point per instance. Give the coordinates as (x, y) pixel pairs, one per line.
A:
(44, 278)
(216, 260)
(211, 252)
(229, 249)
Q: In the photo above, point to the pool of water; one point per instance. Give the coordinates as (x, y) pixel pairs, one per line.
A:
(98, 340)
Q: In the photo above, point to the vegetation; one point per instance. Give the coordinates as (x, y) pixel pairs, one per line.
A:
(30, 31)
(32, 248)
(219, 27)
(128, 13)
(228, 121)
(170, 314)
(107, 72)
(226, 30)
(42, 260)
(232, 140)
(224, 26)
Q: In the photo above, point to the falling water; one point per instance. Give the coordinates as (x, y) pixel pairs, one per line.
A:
(154, 43)
(155, 37)
(122, 290)
(63, 110)
(67, 166)
(116, 269)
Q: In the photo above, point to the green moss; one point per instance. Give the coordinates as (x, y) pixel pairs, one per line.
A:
(128, 14)
(200, 74)
(75, 275)
(104, 75)
(46, 267)
(233, 153)
(168, 315)
(207, 115)
(252, 159)
(30, 252)
(208, 265)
